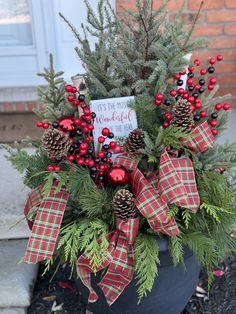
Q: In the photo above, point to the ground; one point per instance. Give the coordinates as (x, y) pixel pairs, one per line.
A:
(61, 296)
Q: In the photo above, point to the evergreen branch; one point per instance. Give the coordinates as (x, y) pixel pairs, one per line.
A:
(176, 249)
(146, 263)
(186, 215)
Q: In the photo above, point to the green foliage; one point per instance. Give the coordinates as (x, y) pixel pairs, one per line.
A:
(83, 236)
(186, 215)
(171, 137)
(176, 249)
(146, 262)
(134, 55)
(53, 96)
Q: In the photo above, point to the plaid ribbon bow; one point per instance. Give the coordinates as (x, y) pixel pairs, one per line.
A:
(120, 262)
(201, 138)
(45, 228)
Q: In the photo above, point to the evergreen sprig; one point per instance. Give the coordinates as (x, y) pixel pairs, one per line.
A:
(146, 263)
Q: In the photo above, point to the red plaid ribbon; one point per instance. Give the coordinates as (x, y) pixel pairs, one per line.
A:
(33, 201)
(47, 223)
(120, 260)
(201, 138)
(148, 200)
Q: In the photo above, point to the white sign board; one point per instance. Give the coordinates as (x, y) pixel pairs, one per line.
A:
(113, 113)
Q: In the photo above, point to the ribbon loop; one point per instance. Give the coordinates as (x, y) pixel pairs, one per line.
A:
(42, 241)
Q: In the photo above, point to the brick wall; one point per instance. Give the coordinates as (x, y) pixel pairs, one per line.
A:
(217, 24)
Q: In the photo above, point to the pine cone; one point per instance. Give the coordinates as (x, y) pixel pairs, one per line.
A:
(134, 141)
(123, 204)
(55, 143)
(183, 115)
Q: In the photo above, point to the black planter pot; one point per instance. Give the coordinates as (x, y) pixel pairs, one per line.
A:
(171, 291)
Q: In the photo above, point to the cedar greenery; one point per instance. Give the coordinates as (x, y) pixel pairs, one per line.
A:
(146, 65)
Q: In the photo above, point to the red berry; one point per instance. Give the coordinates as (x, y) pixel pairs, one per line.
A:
(183, 72)
(108, 160)
(83, 151)
(45, 125)
(87, 118)
(73, 90)
(68, 88)
(177, 77)
(50, 168)
(213, 80)
(112, 144)
(191, 99)
(85, 129)
(72, 141)
(158, 102)
(218, 107)
(77, 121)
(203, 71)
(101, 168)
(197, 62)
(197, 86)
(70, 98)
(211, 87)
(219, 58)
(168, 118)
(214, 131)
(173, 93)
(87, 111)
(101, 139)
(105, 131)
(190, 81)
(159, 96)
(83, 146)
(39, 124)
(83, 124)
(91, 163)
(91, 127)
(80, 161)
(213, 123)
(185, 95)
(197, 100)
(57, 168)
(191, 69)
(101, 154)
(193, 108)
(180, 91)
(198, 105)
(226, 106)
(71, 158)
(89, 139)
(166, 125)
(212, 61)
(75, 102)
(203, 114)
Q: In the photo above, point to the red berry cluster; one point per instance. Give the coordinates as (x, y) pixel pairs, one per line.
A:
(41, 124)
(194, 88)
(55, 168)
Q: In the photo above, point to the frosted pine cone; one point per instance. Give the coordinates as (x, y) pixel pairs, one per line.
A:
(135, 141)
(123, 204)
(183, 115)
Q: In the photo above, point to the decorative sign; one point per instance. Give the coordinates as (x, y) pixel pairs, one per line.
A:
(114, 113)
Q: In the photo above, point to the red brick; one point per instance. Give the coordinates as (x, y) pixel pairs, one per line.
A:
(230, 29)
(31, 106)
(20, 106)
(8, 107)
(208, 4)
(222, 43)
(227, 79)
(226, 67)
(171, 6)
(122, 5)
(221, 16)
(204, 55)
(226, 90)
(230, 4)
(206, 30)
(188, 18)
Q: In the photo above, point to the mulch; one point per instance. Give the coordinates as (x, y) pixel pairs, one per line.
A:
(59, 295)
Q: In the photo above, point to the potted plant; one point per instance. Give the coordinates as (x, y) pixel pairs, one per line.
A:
(162, 202)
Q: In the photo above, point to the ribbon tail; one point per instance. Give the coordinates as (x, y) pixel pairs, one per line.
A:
(84, 268)
(44, 234)
(120, 271)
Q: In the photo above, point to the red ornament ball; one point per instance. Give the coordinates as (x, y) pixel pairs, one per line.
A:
(177, 77)
(219, 58)
(197, 62)
(105, 131)
(203, 71)
(159, 96)
(45, 125)
(70, 98)
(101, 154)
(71, 158)
(112, 145)
(118, 175)
(190, 81)
(191, 69)
(218, 107)
(173, 93)
(211, 87)
(226, 106)
(83, 146)
(212, 61)
(50, 168)
(67, 124)
(213, 80)
(166, 124)
(191, 99)
(57, 168)
(91, 127)
(198, 105)
(74, 89)
(180, 91)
